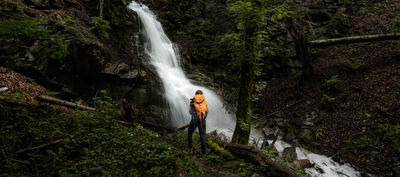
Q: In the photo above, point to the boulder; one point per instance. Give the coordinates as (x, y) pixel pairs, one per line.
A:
(307, 135)
(289, 154)
(301, 164)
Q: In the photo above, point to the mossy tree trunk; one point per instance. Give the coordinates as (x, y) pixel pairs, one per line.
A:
(248, 44)
(247, 58)
(244, 113)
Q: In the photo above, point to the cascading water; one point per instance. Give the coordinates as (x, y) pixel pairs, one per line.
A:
(323, 166)
(178, 88)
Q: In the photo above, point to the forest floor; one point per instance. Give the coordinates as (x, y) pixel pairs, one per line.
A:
(353, 100)
(46, 139)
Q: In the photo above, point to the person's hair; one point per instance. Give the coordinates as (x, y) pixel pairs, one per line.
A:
(199, 92)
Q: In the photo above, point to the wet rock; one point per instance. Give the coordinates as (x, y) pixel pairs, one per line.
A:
(289, 154)
(269, 133)
(290, 137)
(320, 15)
(300, 164)
(307, 135)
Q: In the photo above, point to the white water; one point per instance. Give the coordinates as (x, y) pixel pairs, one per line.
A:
(178, 90)
(177, 87)
(323, 166)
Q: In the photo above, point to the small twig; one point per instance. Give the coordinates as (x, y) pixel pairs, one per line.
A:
(41, 146)
(4, 153)
(184, 127)
(20, 161)
(383, 111)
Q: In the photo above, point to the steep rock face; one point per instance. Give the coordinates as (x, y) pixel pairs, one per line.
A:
(64, 45)
(198, 27)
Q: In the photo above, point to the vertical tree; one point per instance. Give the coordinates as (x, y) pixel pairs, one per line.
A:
(247, 46)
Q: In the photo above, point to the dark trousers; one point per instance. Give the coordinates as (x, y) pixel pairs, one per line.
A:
(193, 124)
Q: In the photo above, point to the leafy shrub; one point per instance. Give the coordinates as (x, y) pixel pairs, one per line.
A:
(390, 134)
(332, 81)
(352, 64)
(93, 144)
(100, 26)
(326, 99)
(28, 30)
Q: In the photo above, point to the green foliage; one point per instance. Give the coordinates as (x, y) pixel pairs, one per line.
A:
(352, 64)
(332, 82)
(100, 26)
(93, 143)
(189, 165)
(364, 142)
(326, 99)
(354, 51)
(28, 30)
(363, 114)
(319, 134)
(397, 6)
(69, 23)
(390, 134)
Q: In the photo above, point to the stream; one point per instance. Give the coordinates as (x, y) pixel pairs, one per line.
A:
(163, 56)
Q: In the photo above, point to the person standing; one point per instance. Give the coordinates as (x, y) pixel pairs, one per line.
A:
(198, 110)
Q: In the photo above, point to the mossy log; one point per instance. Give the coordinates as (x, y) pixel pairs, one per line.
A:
(216, 148)
(355, 39)
(255, 156)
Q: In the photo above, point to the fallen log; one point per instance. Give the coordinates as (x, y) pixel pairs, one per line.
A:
(255, 156)
(64, 103)
(40, 147)
(356, 39)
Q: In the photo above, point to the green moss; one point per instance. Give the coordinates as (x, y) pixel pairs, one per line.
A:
(215, 147)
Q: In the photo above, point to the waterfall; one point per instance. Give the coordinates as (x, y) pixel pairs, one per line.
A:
(177, 87)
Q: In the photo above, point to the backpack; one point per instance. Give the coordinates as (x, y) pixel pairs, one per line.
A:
(199, 108)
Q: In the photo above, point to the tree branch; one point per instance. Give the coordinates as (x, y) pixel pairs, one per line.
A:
(64, 103)
(355, 39)
(41, 146)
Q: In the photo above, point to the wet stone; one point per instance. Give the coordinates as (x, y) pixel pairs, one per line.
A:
(289, 154)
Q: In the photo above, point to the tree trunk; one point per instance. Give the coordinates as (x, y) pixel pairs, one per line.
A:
(101, 7)
(302, 50)
(244, 113)
(356, 39)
